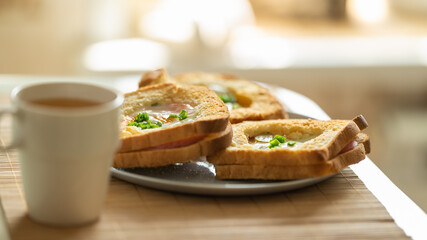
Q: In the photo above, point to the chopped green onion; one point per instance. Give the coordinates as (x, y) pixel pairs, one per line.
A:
(133, 124)
(291, 143)
(142, 121)
(142, 117)
(279, 138)
(226, 97)
(182, 115)
(274, 143)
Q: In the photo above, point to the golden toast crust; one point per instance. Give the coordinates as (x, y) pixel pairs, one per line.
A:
(211, 114)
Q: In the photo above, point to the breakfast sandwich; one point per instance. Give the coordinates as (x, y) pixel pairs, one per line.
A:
(245, 99)
(291, 149)
(167, 123)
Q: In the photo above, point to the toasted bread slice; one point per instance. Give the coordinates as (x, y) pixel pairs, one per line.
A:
(317, 140)
(156, 157)
(253, 101)
(154, 77)
(265, 172)
(206, 114)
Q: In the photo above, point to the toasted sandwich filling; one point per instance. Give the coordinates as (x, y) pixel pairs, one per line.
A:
(226, 96)
(162, 115)
(348, 147)
(267, 141)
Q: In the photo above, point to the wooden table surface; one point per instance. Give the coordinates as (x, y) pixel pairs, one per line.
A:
(341, 207)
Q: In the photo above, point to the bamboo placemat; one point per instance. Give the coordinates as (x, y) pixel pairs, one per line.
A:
(338, 208)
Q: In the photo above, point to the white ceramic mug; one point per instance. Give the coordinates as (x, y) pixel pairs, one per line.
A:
(65, 153)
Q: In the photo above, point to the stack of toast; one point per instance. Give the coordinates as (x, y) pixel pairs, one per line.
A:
(239, 126)
(291, 149)
(165, 124)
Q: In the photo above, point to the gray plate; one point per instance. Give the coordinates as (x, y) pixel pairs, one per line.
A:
(198, 177)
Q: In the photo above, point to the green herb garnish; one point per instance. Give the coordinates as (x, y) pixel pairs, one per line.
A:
(279, 138)
(277, 141)
(226, 97)
(182, 115)
(274, 143)
(291, 143)
(142, 117)
(133, 124)
(142, 121)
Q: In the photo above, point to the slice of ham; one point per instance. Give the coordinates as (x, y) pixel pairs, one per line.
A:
(348, 147)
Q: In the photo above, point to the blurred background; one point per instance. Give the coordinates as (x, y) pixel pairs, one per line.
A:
(350, 56)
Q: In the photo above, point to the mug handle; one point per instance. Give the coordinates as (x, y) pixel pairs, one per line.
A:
(10, 111)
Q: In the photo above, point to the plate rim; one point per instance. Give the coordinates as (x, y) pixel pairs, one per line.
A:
(230, 189)
(116, 172)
